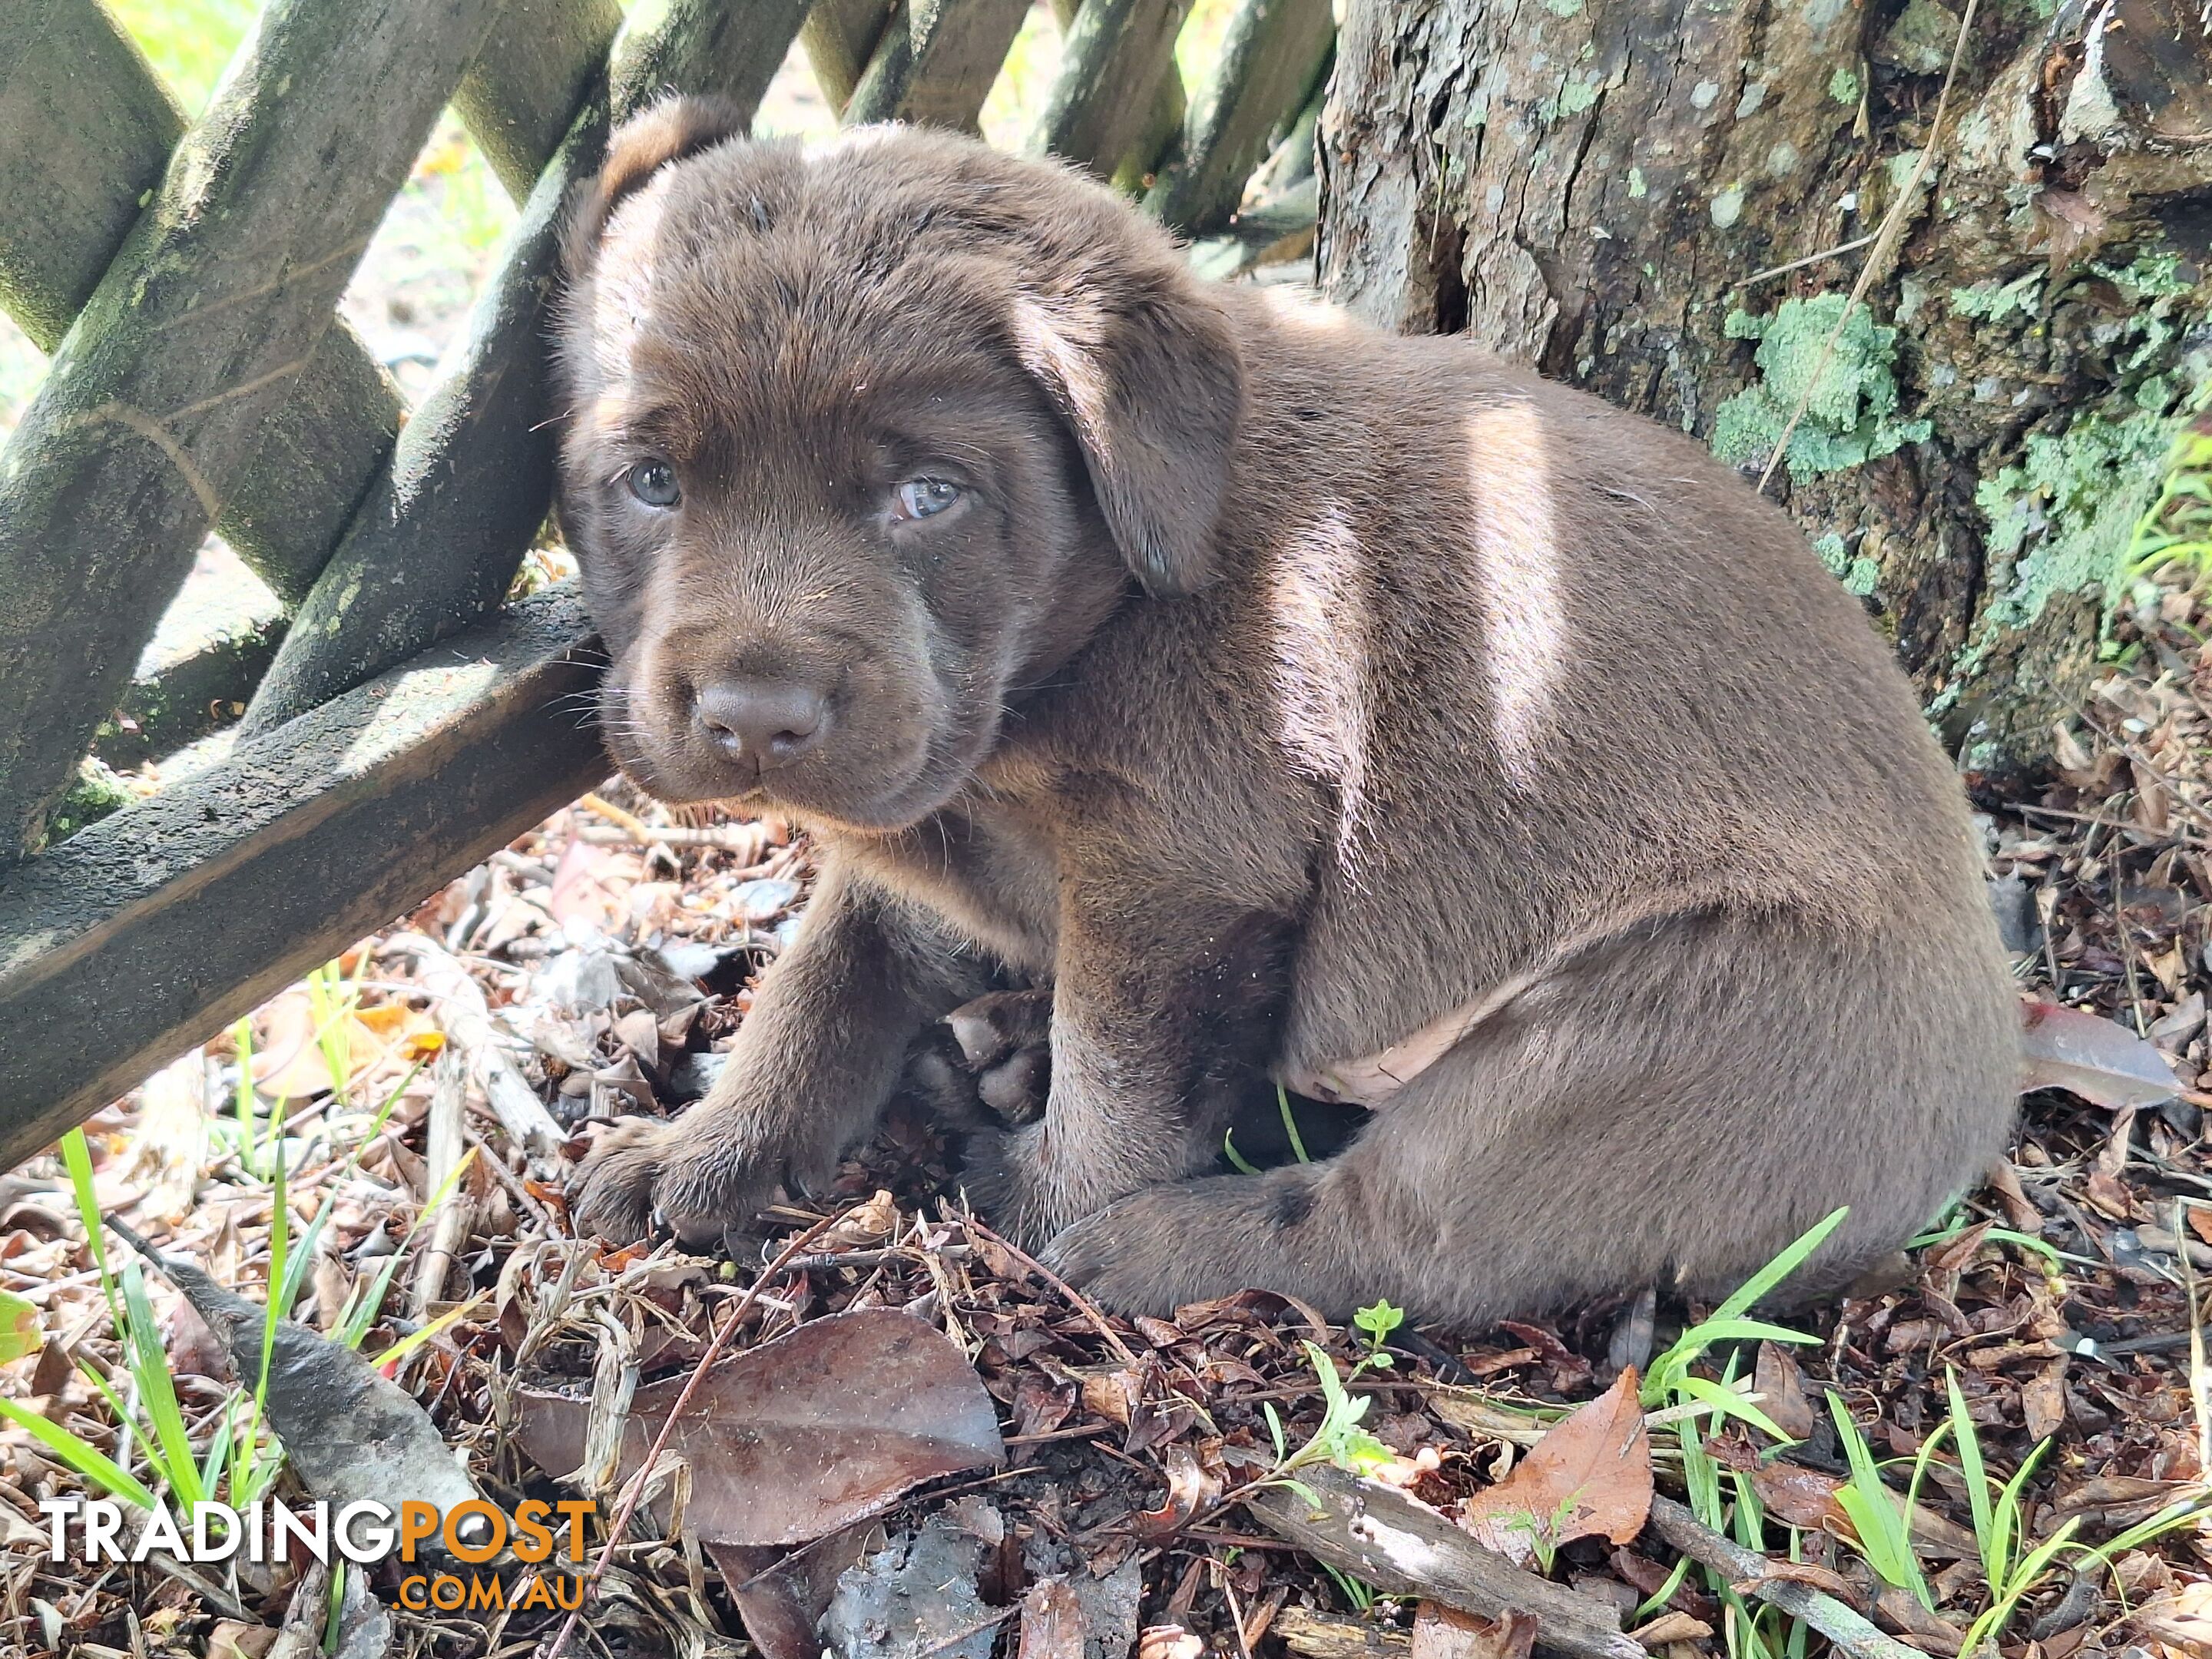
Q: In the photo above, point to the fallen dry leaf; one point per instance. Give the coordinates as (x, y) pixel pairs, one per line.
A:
(1442, 1632)
(2181, 1620)
(1591, 1475)
(350, 1433)
(1797, 1573)
(1671, 1627)
(2043, 1401)
(2099, 1060)
(781, 1594)
(804, 1435)
(1781, 1389)
(1798, 1497)
(20, 1335)
(1190, 1489)
(914, 1600)
(1051, 1622)
(1168, 1642)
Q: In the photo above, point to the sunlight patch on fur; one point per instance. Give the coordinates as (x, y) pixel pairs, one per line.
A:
(1320, 670)
(1516, 547)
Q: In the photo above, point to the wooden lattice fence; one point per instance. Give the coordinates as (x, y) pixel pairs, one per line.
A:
(402, 722)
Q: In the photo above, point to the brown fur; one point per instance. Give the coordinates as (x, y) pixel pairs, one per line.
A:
(1276, 689)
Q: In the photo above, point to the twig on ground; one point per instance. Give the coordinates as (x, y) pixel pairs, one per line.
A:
(446, 1144)
(466, 1019)
(1382, 1535)
(1076, 1299)
(634, 1489)
(749, 839)
(744, 839)
(1851, 1632)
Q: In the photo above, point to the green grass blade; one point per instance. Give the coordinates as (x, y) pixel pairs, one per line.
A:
(242, 1103)
(88, 1459)
(76, 1159)
(1977, 1477)
(1291, 1125)
(1885, 1537)
(394, 1355)
(1664, 1594)
(1237, 1159)
(1792, 1257)
(157, 1394)
(1727, 1402)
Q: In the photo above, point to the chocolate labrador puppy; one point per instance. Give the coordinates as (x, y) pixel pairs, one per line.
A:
(1270, 695)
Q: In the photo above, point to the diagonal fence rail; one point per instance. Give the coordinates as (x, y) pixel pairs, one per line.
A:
(186, 277)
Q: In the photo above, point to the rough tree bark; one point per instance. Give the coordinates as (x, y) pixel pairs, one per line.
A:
(1611, 189)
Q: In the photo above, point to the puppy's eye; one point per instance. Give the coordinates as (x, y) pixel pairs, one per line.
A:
(920, 498)
(654, 483)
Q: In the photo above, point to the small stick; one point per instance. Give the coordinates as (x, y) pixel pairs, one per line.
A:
(1851, 1632)
(466, 1019)
(634, 1490)
(1076, 1299)
(1379, 1534)
(446, 1144)
(638, 829)
(744, 838)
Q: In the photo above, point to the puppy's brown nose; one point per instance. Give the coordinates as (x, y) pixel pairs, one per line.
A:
(771, 723)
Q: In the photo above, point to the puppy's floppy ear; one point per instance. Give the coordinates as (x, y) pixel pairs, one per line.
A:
(1144, 368)
(670, 130)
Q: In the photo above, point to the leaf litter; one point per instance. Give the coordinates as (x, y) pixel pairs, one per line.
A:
(600, 964)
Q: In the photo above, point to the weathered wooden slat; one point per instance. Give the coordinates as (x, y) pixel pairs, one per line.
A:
(1271, 55)
(199, 671)
(148, 931)
(85, 130)
(1105, 102)
(149, 414)
(935, 62)
(523, 92)
(440, 538)
(732, 48)
(840, 37)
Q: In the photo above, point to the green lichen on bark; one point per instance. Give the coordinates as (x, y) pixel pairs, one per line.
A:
(1848, 392)
(98, 791)
(2063, 508)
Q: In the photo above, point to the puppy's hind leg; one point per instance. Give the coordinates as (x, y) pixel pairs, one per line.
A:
(1672, 1107)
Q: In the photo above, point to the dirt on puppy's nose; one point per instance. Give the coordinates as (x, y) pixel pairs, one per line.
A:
(767, 723)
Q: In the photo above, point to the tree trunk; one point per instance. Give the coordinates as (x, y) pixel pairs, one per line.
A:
(1655, 199)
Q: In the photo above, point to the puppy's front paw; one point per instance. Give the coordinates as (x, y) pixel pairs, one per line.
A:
(1192, 1241)
(611, 1194)
(692, 1175)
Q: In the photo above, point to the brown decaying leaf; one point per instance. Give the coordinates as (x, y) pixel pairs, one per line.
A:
(1169, 1642)
(1672, 1626)
(1442, 1632)
(1591, 1475)
(1053, 1624)
(1798, 1572)
(2042, 1399)
(1798, 1497)
(781, 1594)
(1190, 1490)
(2097, 1059)
(808, 1433)
(1781, 1388)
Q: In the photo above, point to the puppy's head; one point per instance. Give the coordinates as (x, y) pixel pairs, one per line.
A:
(862, 441)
